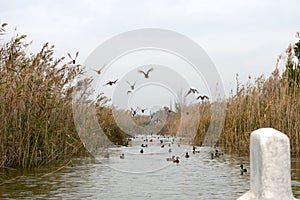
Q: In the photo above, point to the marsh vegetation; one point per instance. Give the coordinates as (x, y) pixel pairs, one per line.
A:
(37, 126)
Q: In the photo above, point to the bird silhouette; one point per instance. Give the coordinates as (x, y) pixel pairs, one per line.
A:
(192, 90)
(99, 70)
(170, 111)
(128, 92)
(243, 170)
(171, 159)
(187, 155)
(147, 73)
(133, 112)
(142, 109)
(176, 160)
(131, 85)
(73, 60)
(111, 82)
(202, 97)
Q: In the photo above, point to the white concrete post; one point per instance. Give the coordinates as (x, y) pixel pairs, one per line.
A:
(270, 166)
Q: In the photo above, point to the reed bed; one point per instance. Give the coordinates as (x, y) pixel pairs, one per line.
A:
(107, 121)
(35, 106)
(262, 102)
(38, 127)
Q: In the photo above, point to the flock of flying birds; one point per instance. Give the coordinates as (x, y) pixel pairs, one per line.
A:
(146, 75)
(134, 111)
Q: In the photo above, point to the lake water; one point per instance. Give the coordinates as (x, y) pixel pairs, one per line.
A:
(138, 176)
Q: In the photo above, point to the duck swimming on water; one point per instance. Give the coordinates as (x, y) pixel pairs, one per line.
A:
(187, 155)
(176, 160)
(243, 170)
(218, 154)
(171, 159)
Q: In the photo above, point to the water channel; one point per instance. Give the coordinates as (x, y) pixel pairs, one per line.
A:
(138, 175)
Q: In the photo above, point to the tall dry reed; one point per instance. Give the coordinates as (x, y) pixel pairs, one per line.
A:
(35, 106)
(264, 102)
(261, 102)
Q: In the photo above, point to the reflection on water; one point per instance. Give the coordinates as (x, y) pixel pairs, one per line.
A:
(295, 173)
(138, 176)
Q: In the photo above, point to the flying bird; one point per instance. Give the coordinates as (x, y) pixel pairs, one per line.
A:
(111, 82)
(133, 112)
(131, 85)
(99, 70)
(202, 97)
(73, 60)
(142, 110)
(147, 73)
(129, 92)
(192, 90)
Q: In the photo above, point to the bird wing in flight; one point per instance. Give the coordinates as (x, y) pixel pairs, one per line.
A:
(150, 70)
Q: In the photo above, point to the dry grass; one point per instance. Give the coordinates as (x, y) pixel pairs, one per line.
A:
(35, 106)
(262, 102)
(38, 128)
(107, 121)
(272, 102)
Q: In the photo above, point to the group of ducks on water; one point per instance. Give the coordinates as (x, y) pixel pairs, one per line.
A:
(216, 154)
(163, 144)
(146, 74)
(175, 159)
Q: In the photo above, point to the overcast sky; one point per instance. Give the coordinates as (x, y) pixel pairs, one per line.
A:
(243, 37)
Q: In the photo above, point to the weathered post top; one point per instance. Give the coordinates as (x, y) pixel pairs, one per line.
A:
(270, 175)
